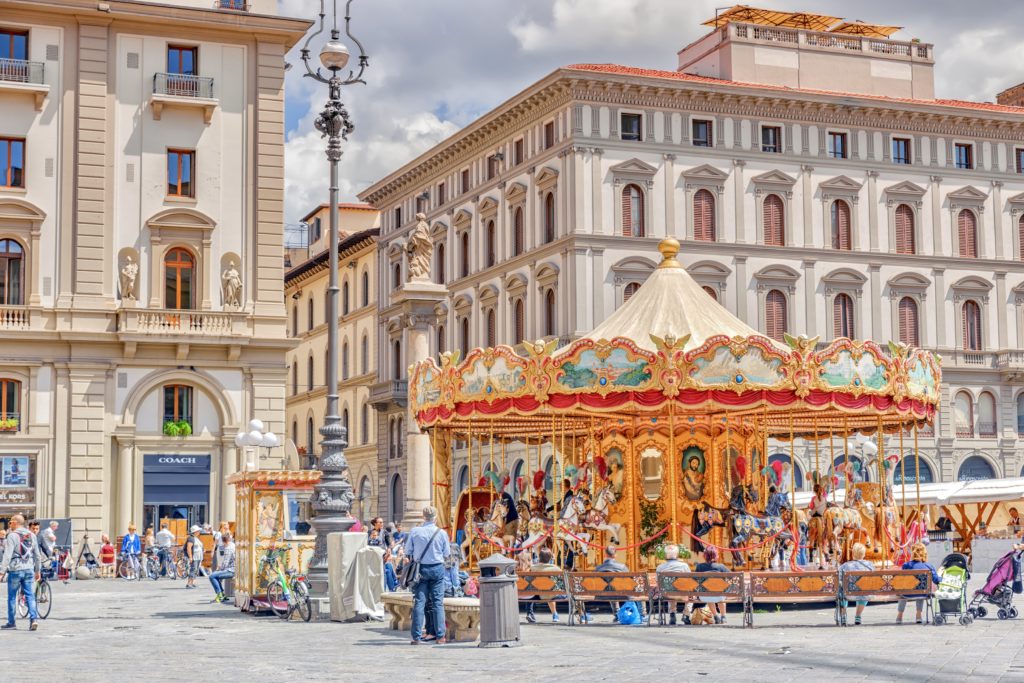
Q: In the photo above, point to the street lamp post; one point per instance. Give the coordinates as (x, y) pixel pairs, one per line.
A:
(332, 495)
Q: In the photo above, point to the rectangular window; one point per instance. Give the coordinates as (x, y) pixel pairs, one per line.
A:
(702, 133)
(442, 195)
(900, 151)
(421, 203)
(178, 403)
(549, 135)
(771, 139)
(181, 166)
(630, 125)
(398, 217)
(1019, 153)
(182, 60)
(12, 162)
(837, 145)
(518, 151)
(492, 167)
(13, 44)
(963, 155)
(464, 182)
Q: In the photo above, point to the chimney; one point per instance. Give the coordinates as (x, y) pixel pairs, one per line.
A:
(1013, 97)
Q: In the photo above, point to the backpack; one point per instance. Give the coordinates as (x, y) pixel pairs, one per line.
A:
(24, 547)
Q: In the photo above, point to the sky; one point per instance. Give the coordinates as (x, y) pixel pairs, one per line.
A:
(437, 65)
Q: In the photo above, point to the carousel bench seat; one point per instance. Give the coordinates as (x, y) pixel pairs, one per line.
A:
(771, 586)
(695, 586)
(462, 616)
(888, 584)
(587, 587)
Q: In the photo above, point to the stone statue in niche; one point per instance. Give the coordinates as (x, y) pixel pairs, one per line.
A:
(231, 284)
(129, 272)
(419, 249)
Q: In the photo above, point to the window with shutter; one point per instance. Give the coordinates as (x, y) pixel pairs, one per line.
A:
(491, 332)
(517, 231)
(440, 339)
(518, 322)
(842, 316)
(710, 292)
(632, 211)
(704, 216)
(1020, 236)
(774, 221)
(905, 239)
(465, 254)
(986, 414)
(971, 314)
(908, 321)
(841, 225)
(630, 291)
(549, 312)
(464, 335)
(775, 314)
(967, 232)
(490, 244)
(549, 217)
(440, 264)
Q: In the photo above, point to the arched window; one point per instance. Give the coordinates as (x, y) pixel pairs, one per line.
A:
(309, 313)
(310, 436)
(971, 325)
(10, 402)
(396, 359)
(518, 236)
(344, 361)
(633, 211)
(440, 270)
(710, 292)
(364, 424)
(491, 331)
(518, 322)
(295, 377)
(397, 501)
(441, 346)
(774, 218)
(392, 441)
(365, 495)
(309, 375)
(987, 423)
(549, 313)
(366, 289)
(967, 232)
(549, 217)
(344, 298)
(295, 320)
(629, 291)
(364, 355)
(776, 314)
(963, 415)
(489, 243)
(463, 478)
(400, 434)
(908, 323)
(704, 216)
(1020, 414)
(464, 256)
(906, 241)
(517, 471)
(295, 432)
(785, 460)
(179, 279)
(344, 423)
(464, 336)
(907, 471)
(975, 468)
(842, 316)
(841, 238)
(12, 268)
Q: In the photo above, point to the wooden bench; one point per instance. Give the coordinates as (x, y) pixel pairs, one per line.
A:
(542, 587)
(695, 586)
(889, 583)
(587, 587)
(791, 587)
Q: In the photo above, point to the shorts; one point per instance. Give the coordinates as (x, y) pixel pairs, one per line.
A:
(194, 568)
(709, 600)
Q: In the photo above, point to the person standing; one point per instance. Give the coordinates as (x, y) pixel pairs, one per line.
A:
(48, 538)
(21, 565)
(193, 555)
(428, 545)
(131, 546)
(224, 556)
(164, 544)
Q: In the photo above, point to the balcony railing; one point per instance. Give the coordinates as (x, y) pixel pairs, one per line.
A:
(15, 318)
(182, 323)
(389, 391)
(986, 429)
(831, 41)
(21, 71)
(965, 431)
(183, 85)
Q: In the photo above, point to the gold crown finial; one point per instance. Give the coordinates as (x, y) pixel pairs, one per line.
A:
(669, 247)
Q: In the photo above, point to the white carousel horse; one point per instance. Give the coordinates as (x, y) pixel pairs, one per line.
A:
(494, 528)
(570, 520)
(597, 516)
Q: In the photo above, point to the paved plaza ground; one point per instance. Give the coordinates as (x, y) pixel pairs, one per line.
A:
(111, 630)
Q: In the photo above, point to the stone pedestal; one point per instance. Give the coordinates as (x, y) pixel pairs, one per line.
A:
(342, 549)
(419, 300)
(462, 616)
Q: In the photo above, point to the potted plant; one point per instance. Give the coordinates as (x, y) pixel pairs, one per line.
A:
(177, 428)
(650, 524)
(9, 424)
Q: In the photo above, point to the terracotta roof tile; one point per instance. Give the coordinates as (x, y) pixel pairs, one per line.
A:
(617, 69)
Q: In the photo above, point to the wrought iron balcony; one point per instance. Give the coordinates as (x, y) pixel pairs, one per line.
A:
(389, 391)
(965, 431)
(21, 71)
(986, 429)
(182, 85)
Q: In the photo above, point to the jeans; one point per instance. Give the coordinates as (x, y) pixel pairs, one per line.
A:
(166, 562)
(23, 580)
(215, 578)
(390, 578)
(429, 595)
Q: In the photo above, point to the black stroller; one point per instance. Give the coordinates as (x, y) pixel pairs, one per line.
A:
(999, 588)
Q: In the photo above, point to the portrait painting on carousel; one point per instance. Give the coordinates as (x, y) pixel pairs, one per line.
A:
(268, 514)
(616, 472)
(694, 467)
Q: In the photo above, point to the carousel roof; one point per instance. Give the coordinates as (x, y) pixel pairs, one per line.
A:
(671, 304)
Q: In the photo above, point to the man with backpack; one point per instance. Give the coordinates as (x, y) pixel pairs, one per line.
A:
(21, 564)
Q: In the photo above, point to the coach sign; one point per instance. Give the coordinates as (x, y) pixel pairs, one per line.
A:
(176, 479)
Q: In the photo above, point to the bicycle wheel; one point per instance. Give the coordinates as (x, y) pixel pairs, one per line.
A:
(44, 599)
(22, 606)
(125, 570)
(300, 591)
(278, 600)
(153, 568)
(181, 567)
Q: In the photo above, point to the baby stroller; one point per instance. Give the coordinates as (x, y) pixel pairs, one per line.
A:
(997, 589)
(951, 593)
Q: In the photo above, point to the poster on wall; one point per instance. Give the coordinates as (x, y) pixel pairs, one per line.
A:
(15, 471)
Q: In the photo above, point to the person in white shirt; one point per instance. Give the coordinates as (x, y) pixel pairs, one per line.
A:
(164, 545)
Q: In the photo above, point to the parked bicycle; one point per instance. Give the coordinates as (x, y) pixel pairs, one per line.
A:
(44, 597)
(287, 589)
(131, 568)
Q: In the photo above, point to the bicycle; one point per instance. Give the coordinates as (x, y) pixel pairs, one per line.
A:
(287, 589)
(131, 568)
(44, 598)
(152, 564)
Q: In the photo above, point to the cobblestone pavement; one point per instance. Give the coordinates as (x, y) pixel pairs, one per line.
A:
(111, 630)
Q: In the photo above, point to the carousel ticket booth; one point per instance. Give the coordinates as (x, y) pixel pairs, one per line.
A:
(656, 425)
(271, 511)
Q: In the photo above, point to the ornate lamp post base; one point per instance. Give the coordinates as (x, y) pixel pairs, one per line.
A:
(331, 501)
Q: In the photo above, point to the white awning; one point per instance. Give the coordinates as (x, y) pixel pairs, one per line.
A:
(944, 493)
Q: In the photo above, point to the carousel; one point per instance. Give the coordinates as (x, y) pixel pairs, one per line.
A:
(654, 428)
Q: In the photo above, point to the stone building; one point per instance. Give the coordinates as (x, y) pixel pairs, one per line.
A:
(861, 206)
(141, 288)
(306, 297)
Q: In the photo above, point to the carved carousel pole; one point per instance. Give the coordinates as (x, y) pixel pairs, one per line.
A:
(471, 521)
(630, 475)
(881, 513)
(673, 475)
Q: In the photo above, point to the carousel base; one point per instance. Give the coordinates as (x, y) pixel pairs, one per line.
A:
(462, 616)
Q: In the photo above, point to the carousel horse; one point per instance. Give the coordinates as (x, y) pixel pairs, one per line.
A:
(597, 516)
(494, 528)
(746, 525)
(571, 520)
(523, 525)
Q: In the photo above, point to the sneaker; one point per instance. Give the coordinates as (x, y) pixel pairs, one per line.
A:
(856, 621)
(441, 641)
(33, 625)
(8, 626)
(531, 618)
(554, 618)
(718, 619)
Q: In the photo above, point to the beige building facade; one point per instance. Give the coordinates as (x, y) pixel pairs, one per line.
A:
(306, 297)
(142, 310)
(879, 213)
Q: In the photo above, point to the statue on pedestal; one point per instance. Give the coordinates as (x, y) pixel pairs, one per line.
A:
(129, 271)
(420, 250)
(231, 284)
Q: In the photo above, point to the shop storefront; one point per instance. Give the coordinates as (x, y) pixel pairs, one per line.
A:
(176, 487)
(17, 487)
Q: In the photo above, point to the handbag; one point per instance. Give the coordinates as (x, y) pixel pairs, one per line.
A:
(410, 577)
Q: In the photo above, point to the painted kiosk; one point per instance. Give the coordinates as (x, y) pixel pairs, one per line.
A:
(654, 426)
(268, 506)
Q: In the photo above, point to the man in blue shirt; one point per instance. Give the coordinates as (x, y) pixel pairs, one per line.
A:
(428, 545)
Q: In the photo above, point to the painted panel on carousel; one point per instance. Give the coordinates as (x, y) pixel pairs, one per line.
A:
(921, 377)
(736, 365)
(616, 470)
(694, 467)
(651, 469)
(604, 367)
(492, 373)
(860, 368)
(427, 386)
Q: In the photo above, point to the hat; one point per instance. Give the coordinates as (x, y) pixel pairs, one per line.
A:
(194, 529)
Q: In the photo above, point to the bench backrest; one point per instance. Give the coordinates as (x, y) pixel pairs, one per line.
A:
(689, 585)
(810, 584)
(886, 582)
(608, 586)
(541, 585)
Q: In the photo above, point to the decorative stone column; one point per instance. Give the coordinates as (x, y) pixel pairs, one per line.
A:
(125, 477)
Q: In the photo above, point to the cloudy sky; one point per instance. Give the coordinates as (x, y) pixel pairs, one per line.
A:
(436, 65)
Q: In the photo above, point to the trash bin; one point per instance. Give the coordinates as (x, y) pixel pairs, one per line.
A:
(499, 603)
